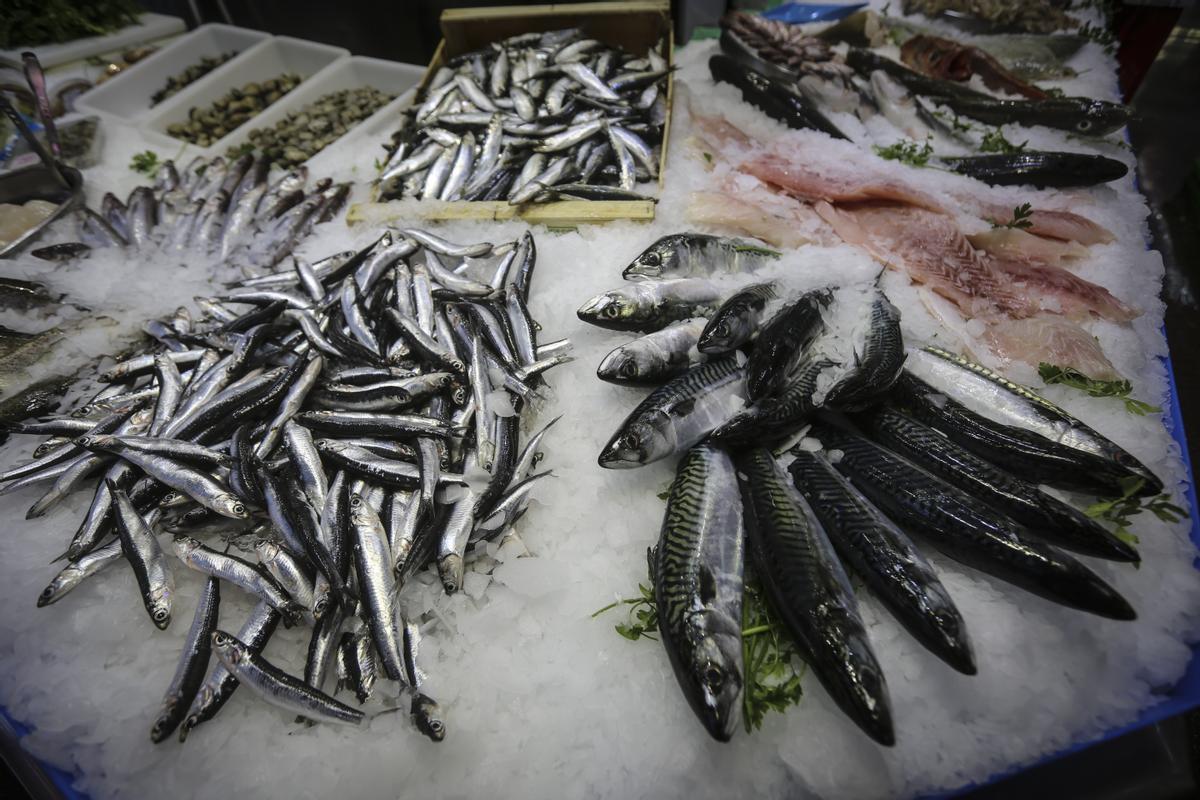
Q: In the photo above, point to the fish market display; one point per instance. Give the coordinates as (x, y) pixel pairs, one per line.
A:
(190, 75)
(315, 438)
(204, 126)
(306, 131)
(216, 210)
(532, 118)
(928, 456)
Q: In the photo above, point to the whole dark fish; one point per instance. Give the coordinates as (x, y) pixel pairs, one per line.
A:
(810, 591)
(775, 98)
(885, 558)
(1045, 516)
(651, 305)
(697, 573)
(193, 663)
(1040, 169)
(966, 529)
(783, 343)
(999, 399)
(651, 359)
(777, 416)
(1020, 451)
(677, 415)
(697, 255)
(879, 364)
(736, 321)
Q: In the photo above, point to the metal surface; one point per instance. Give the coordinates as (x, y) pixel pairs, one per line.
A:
(36, 182)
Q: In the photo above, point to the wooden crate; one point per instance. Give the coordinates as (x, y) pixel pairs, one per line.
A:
(635, 26)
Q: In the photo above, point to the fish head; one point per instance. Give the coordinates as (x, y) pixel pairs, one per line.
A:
(62, 583)
(637, 443)
(160, 610)
(427, 715)
(163, 726)
(656, 260)
(185, 546)
(621, 365)
(722, 334)
(1100, 118)
(94, 441)
(231, 506)
(714, 673)
(228, 648)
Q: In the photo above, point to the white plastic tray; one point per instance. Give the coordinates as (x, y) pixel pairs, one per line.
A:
(149, 27)
(351, 73)
(267, 59)
(127, 96)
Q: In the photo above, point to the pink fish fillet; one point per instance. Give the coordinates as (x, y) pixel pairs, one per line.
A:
(1064, 225)
(1017, 245)
(1054, 286)
(931, 249)
(1050, 339)
(833, 182)
(782, 228)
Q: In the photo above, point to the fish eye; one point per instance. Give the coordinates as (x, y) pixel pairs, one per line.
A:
(629, 369)
(633, 441)
(49, 590)
(722, 328)
(436, 725)
(239, 509)
(713, 677)
(220, 639)
(652, 259)
(355, 501)
(612, 311)
(1084, 124)
(160, 614)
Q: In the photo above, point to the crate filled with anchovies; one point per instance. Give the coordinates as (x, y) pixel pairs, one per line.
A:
(548, 113)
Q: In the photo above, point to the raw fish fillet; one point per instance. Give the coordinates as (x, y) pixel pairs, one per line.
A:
(1061, 291)
(1014, 244)
(1051, 339)
(832, 183)
(1065, 225)
(931, 249)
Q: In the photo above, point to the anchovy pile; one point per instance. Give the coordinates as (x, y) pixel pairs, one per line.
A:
(898, 445)
(220, 210)
(347, 422)
(533, 118)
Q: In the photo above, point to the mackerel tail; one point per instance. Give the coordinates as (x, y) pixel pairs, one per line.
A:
(1020, 451)
(965, 529)
(888, 561)
(809, 589)
(1046, 517)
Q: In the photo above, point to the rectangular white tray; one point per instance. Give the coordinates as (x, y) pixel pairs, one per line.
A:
(148, 28)
(351, 73)
(267, 59)
(127, 96)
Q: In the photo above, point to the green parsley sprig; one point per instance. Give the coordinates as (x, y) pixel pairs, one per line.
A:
(906, 152)
(1068, 376)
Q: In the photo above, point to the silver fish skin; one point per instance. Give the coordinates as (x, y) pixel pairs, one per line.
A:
(678, 414)
(452, 546)
(377, 585)
(277, 687)
(684, 255)
(291, 576)
(193, 663)
(236, 571)
(651, 305)
(697, 570)
(150, 566)
(220, 684)
(200, 487)
(653, 358)
(76, 573)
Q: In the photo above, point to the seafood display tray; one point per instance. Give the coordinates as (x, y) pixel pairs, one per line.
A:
(263, 61)
(148, 28)
(354, 72)
(127, 96)
(35, 182)
(636, 26)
